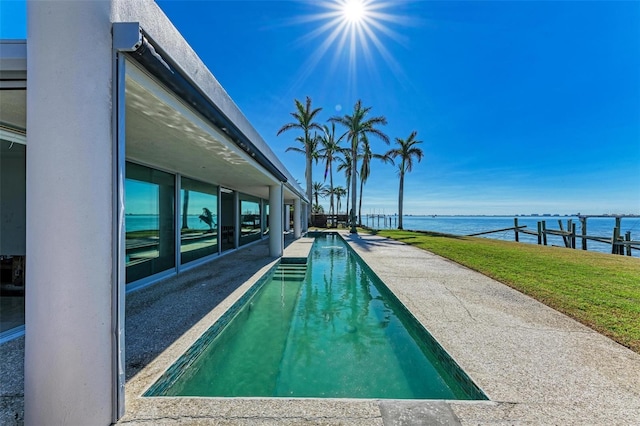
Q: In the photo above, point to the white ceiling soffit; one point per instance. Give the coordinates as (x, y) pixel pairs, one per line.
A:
(162, 131)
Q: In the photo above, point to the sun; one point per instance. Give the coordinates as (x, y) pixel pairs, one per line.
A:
(356, 31)
(354, 11)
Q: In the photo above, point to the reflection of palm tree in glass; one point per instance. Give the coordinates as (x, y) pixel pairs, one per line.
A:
(207, 217)
(185, 209)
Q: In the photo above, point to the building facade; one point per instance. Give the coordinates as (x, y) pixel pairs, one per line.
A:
(123, 162)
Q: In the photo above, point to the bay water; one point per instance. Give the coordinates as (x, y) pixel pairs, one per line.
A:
(466, 225)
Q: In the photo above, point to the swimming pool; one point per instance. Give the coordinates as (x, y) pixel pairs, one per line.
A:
(329, 329)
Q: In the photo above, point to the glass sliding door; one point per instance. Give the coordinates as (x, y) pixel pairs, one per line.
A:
(250, 219)
(13, 156)
(198, 220)
(149, 222)
(227, 219)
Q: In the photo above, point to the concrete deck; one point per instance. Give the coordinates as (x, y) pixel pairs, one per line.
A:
(298, 250)
(536, 365)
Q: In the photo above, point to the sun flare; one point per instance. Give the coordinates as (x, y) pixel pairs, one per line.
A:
(357, 31)
(354, 11)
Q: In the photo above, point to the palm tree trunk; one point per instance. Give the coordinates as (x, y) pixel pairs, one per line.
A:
(331, 209)
(354, 188)
(400, 197)
(309, 183)
(360, 202)
(348, 192)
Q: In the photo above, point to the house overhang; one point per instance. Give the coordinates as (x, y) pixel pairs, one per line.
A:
(207, 136)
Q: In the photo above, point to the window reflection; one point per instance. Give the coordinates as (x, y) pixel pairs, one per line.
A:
(266, 219)
(12, 233)
(149, 222)
(227, 219)
(250, 220)
(198, 219)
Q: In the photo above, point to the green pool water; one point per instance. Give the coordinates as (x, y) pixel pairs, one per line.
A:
(330, 329)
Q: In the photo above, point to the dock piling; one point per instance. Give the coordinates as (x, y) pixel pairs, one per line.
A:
(539, 233)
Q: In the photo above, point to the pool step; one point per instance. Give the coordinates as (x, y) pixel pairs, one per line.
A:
(292, 267)
(290, 272)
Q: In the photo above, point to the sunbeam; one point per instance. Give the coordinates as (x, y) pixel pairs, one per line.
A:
(354, 30)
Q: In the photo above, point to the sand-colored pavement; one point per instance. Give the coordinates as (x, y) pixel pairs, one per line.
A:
(536, 365)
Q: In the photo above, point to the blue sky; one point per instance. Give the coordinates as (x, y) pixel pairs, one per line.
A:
(522, 106)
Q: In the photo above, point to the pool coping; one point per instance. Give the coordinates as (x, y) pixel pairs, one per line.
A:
(516, 388)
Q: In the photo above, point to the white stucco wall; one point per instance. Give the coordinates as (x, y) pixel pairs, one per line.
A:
(68, 349)
(287, 215)
(297, 218)
(276, 237)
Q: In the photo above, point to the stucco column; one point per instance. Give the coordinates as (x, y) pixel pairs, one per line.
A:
(297, 216)
(276, 243)
(305, 224)
(69, 347)
(287, 215)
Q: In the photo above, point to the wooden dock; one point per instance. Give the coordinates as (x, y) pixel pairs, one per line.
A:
(622, 245)
(388, 221)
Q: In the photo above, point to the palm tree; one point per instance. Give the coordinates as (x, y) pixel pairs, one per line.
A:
(329, 151)
(318, 189)
(358, 125)
(339, 192)
(346, 164)
(406, 150)
(304, 120)
(365, 170)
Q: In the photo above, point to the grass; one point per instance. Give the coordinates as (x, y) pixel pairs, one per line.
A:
(599, 290)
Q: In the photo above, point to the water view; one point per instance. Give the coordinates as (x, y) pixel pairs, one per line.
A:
(466, 225)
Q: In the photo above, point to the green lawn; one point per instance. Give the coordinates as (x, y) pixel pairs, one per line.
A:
(600, 290)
